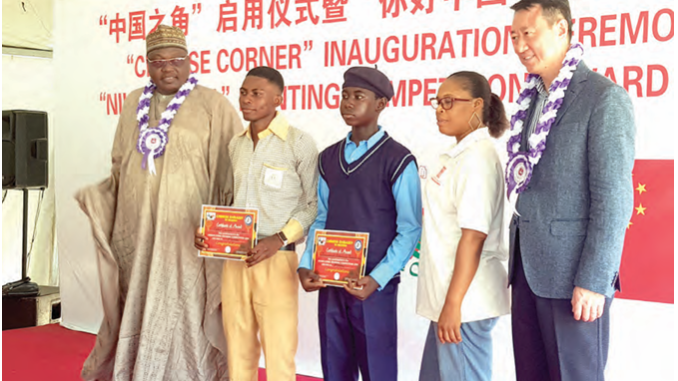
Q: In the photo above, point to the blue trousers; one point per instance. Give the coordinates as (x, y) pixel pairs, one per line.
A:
(548, 344)
(359, 335)
(470, 360)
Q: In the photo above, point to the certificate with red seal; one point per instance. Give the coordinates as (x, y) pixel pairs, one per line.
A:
(229, 232)
(339, 255)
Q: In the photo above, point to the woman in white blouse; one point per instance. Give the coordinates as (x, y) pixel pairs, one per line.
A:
(462, 281)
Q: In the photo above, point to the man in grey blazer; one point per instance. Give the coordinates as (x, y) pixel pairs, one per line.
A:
(573, 206)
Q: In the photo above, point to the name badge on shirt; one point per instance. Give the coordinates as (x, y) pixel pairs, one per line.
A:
(436, 178)
(273, 177)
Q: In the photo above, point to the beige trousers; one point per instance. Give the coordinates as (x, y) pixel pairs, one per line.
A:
(262, 300)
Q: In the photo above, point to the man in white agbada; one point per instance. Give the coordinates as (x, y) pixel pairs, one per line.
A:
(162, 315)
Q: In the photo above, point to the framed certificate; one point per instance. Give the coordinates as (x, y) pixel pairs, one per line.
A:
(338, 255)
(229, 232)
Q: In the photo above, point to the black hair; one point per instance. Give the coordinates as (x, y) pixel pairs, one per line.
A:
(551, 9)
(269, 74)
(494, 115)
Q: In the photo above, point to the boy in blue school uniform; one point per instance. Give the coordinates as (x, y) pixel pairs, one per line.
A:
(368, 183)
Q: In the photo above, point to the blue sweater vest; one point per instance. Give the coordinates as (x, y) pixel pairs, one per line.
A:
(361, 193)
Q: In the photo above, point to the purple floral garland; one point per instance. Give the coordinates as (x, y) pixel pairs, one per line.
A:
(152, 141)
(521, 164)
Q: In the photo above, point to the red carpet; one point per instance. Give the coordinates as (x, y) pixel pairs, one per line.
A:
(52, 352)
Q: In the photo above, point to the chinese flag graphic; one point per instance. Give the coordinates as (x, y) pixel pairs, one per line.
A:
(647, 259)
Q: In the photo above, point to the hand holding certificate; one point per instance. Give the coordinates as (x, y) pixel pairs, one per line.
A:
(230, 233)
(339, 256)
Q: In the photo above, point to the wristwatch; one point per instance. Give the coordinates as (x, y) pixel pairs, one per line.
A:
(283, 238)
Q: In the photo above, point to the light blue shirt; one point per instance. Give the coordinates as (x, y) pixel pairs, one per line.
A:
(407, 194)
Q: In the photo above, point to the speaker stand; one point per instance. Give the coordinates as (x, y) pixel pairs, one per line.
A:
(23, 287)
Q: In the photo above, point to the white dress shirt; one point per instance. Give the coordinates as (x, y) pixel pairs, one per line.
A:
(464, 189)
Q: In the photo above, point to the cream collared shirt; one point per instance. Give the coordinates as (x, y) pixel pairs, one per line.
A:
(279, 178)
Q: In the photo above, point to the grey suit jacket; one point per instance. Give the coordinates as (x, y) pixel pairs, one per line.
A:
(576, 208)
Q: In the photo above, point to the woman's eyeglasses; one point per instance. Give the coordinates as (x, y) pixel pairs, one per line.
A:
(446, 102)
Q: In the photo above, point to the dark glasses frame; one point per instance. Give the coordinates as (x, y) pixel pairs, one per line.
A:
(447, 102)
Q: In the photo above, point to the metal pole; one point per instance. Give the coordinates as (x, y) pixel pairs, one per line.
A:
(24, 252)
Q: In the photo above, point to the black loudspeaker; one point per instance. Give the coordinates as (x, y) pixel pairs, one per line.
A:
(24, 149)
(8, 166)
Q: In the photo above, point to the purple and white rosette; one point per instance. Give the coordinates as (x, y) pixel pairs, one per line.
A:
(151, 144)
(521, 164)
(152, 141)
(518, 172)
